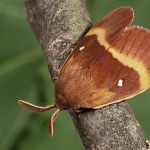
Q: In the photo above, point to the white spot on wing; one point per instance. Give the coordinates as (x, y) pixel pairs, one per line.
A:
(120, 83)
(81, 48)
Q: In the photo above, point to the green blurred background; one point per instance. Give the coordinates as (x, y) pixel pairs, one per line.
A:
(24, 75)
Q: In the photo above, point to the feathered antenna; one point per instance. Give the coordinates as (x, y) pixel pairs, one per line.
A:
(36, 108)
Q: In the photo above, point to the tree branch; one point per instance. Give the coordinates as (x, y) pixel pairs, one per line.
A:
(58, 25)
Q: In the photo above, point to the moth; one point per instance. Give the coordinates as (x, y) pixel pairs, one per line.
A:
(111, 63)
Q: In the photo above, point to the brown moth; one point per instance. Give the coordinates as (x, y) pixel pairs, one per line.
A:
(110, 64)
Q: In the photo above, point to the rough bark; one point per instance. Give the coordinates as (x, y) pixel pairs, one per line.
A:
(58, 25)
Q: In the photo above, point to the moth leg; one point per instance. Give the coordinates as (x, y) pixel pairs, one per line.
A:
(35, 108)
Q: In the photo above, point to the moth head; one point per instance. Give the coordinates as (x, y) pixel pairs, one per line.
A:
(61, 102)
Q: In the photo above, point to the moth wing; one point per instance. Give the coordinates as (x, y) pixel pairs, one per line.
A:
(128, 68)
(113, 23)
(128, 74)
(132, 49)
(110, 64)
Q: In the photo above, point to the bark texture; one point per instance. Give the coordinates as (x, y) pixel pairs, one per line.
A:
(58, 25)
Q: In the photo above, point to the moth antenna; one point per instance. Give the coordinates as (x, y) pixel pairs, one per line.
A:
(35, 108)
(51, 121)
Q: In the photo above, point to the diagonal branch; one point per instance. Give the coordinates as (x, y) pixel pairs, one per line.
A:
(58, 25)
